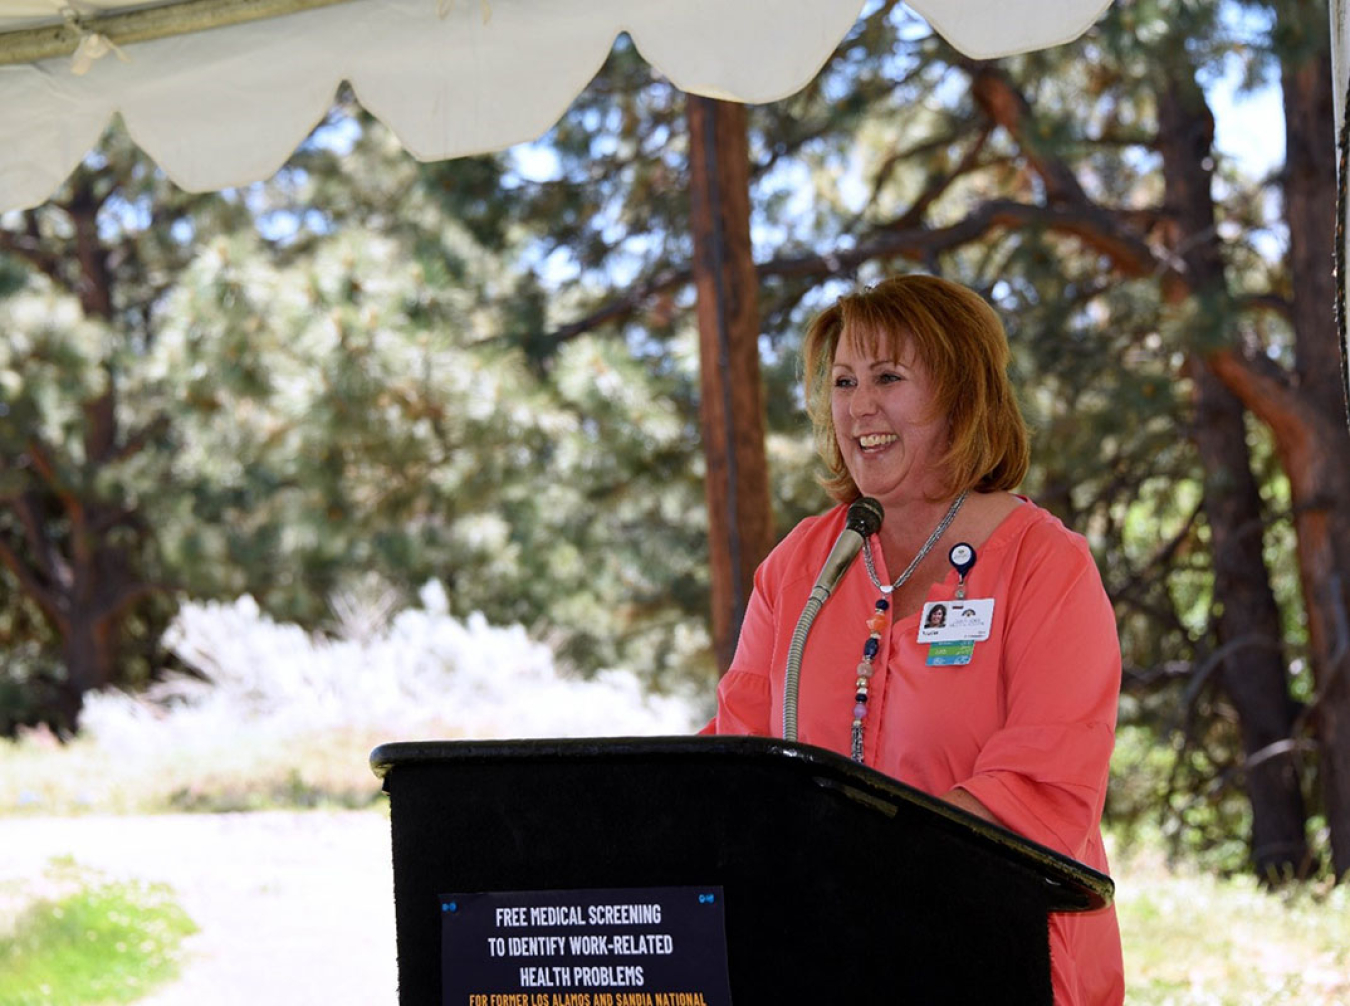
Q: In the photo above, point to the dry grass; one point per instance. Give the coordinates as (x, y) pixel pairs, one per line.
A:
(252, 771)
(1194, 940)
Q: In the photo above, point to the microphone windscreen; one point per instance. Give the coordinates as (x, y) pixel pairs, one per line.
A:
(864, 516)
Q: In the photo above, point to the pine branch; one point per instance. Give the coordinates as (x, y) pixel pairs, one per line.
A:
(45, 466)
(1266, 389)
(1147, 574)
(1092, 225)
(1272, 302)
(137, 442)
(28, 247)
(868, 93)
(620, 309)
(936, 186)
(1117, 232)
(1006, 106)
(46, 598)
(81, 540)
(45, 557)
(1308, 440)
(124, 596)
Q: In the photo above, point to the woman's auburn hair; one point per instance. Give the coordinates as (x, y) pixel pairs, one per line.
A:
(959, 339)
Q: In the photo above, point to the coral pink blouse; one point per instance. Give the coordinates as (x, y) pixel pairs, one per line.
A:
(1026, 727)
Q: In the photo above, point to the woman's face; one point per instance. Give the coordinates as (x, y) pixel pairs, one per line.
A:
(884, 422)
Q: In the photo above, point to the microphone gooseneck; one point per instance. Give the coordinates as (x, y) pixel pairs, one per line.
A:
(862, 520)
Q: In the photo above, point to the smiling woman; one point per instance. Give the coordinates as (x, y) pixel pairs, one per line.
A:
(1005, 704)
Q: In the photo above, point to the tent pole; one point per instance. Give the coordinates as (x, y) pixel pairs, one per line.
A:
(52, 41)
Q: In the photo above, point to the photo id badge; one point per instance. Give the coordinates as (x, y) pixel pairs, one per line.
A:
(956, 621)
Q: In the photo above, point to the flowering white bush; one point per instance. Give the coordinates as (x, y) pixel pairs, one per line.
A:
(424, 674)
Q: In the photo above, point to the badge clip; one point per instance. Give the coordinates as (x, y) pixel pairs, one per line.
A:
(962, 557)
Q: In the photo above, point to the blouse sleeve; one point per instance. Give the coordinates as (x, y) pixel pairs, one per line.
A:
(1044, 773)
(743, 695)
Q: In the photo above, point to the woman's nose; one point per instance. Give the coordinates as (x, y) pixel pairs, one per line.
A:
(862, 402)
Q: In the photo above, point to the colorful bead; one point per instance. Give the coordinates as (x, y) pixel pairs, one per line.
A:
(876, 625)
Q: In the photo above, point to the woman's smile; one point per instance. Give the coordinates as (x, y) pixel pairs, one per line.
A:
(876, 441)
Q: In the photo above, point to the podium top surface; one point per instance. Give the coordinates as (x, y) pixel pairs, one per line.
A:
(1072, 886)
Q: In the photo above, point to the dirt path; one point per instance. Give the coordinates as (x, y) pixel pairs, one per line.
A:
(294, 908)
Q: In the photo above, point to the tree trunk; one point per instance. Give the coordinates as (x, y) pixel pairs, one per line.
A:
(1320, 505)
(1314, 450)
(89, 650)
(1252, 671)
(1306, 411)
(740, 523)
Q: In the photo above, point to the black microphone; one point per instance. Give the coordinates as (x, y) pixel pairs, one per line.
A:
(863, 519)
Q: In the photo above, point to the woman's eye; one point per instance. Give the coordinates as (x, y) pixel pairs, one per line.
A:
(888, 378)
(843, 382)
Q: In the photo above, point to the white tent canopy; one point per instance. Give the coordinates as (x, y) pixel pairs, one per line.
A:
(227, 106)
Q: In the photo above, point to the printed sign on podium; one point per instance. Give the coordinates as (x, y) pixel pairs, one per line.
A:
(660, 946)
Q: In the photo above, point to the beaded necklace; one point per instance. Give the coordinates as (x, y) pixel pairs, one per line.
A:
(877, 622)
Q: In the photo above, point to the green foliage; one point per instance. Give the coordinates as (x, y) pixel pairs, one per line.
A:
(377, 424)
(105, 943)
(13, 276)
(328, 394)
(53, 366)
(30, 670)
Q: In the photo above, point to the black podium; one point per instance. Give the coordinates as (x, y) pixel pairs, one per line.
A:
(837, 882)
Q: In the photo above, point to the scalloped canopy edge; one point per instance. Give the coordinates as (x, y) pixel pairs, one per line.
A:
(227, 106)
